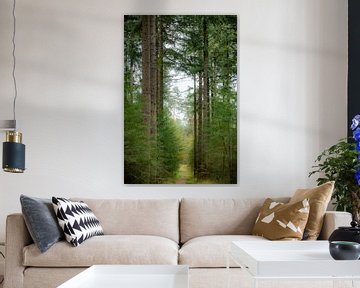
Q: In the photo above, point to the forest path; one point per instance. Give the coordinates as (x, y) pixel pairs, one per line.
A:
(184, 175)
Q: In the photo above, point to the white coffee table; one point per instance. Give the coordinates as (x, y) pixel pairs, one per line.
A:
(285, 260)
(131, 276)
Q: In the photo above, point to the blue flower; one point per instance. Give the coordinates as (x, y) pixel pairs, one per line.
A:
(355, 126)
(355, 122)
(357, 176)
(356, 134)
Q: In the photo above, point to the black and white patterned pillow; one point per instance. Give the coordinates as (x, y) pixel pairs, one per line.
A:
(77, 220)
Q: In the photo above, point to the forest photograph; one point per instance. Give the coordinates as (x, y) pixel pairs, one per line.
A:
(180, 99)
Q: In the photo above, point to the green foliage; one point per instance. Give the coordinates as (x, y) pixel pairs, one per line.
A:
(132, 57)
(153, 161)
(220, 131)
(222, 134)
(169, 148)
(135, 146)
(339, 163)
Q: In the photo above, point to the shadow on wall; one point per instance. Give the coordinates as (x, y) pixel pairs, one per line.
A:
(151, 7)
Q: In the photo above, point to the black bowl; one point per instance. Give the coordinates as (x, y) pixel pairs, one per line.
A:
(344, 250)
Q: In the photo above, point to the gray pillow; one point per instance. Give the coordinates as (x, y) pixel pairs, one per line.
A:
(41, 221)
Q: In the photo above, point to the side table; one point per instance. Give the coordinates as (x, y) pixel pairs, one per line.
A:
(294, 263)
(131, 276)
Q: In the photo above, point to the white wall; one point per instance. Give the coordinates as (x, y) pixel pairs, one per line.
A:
(292, 100)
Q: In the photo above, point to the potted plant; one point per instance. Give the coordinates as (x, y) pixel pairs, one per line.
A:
(341, 163)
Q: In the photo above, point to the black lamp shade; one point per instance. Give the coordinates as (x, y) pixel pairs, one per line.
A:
(13, 157)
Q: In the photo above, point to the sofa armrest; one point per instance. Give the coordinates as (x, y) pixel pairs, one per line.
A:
(17, 237)
(333, 220)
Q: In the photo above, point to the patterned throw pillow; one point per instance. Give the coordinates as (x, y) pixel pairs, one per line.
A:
(77, 220)
(319, 198)
(279, 221)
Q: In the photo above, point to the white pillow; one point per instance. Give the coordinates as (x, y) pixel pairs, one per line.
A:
(77, 220)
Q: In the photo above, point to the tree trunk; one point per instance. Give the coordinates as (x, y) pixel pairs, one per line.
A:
(149, 88)
(206, 109)
(160, 70)
(153, 75)
(195, 132)
(146, 72)
(131, 80)
(200, 126)
(149, 72)
(212, 90)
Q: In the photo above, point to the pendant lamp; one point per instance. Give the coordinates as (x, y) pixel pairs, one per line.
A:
(13, 160)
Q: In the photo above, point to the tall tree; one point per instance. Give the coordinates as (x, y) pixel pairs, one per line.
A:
(149, 86)
(195, 132)
(160, 63)
(206, 108)
(153, 73)
(146, 71)
(200, 135)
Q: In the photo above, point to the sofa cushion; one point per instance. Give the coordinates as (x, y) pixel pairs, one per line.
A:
(211, 251)
(77, 220)
(35, 277)
(200, 217)
(41, 221)
(159, 217)
(107, 249)
(319, 198)
(279, 221)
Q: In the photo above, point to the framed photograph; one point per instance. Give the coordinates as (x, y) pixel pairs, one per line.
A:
(180, 99)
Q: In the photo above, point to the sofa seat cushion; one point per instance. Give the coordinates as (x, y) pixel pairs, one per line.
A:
(159, 217)
(206, 217)
(107, 249)
(211, 251)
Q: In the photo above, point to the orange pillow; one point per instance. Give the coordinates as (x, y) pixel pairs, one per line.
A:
(319, 198)
(279, 221)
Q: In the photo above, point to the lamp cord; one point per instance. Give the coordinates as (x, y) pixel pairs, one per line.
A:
(14, 61)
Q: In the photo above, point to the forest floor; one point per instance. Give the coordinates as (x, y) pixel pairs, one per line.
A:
(184, 175)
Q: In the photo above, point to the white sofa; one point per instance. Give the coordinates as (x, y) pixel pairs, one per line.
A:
(194, 232)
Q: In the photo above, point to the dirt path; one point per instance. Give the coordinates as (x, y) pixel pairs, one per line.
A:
(184, 174)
